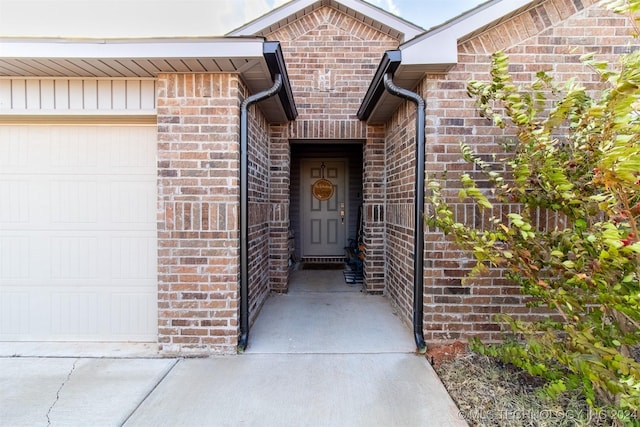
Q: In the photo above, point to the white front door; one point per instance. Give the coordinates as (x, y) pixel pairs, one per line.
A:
(323, 221)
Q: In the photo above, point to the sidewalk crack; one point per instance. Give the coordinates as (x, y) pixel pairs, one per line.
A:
(73, 368)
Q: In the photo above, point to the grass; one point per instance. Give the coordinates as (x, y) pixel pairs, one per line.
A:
(490, 393)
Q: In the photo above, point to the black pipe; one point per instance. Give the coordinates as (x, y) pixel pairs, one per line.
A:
(418, 234)
(244, 207)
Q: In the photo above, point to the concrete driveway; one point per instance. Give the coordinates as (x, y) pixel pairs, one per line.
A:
(323, 355)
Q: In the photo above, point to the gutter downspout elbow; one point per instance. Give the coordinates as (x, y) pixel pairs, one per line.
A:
(244, 207)
(418, 235)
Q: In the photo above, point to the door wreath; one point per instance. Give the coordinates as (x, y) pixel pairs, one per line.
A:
(322, 189)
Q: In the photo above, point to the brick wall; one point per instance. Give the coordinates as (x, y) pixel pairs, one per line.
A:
(280, 181)
(331, 59)
(374, 173)
(400, 182)
(259, 210)
(550, 36)
(198, 203)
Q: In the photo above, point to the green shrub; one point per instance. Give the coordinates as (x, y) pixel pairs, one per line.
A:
(576, 156)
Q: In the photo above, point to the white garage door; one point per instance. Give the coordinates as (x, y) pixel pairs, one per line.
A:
(77, 233)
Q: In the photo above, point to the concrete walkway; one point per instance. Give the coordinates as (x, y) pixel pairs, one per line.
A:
(323, 355)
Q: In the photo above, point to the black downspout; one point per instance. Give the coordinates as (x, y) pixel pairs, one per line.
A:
(418, 235)
(244, 207)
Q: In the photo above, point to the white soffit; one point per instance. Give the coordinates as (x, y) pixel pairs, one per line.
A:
(125, 58)
(438, 49)
(371, 15)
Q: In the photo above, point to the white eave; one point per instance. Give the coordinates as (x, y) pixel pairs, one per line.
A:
(436, 51)
(131, 58)
(373, 16)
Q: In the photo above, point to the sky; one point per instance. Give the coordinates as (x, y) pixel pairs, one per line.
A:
(427, 13)
(159, 18)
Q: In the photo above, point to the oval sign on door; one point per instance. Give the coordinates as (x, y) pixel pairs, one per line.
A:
(322, 189)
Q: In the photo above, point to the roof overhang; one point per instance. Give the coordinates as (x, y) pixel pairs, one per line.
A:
(253, 59)
(434, 52)
(275, 62)
(390, 62)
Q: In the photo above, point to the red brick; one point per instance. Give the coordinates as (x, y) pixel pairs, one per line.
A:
(331, 58)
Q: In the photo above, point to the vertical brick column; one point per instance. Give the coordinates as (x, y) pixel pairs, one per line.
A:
(400, 166)
(280, 161)
(374, 195)
(258, 210)
(198, 204)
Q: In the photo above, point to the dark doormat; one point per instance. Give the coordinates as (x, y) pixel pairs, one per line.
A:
(322, 266)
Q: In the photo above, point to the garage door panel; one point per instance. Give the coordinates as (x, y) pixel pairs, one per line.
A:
(75, 314)
(133, 312)
(15, 256)
(74, 257)
(74, 201)
(14, 193)
(77, 152)
(133, 258)
(22, 312)
(132, 158)
(13, 151)
(53, 258)
(54, 150)
(130, 201)
(78, 244)
(14, 313)
(80, 315)
(66, 314)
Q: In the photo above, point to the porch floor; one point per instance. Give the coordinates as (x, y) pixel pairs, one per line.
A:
(321, 313)
(324, 354)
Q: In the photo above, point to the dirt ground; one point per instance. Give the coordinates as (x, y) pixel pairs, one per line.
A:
(491, 393)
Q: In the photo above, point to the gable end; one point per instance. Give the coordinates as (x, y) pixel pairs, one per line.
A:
(377, 18)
